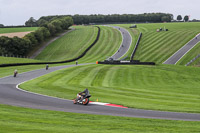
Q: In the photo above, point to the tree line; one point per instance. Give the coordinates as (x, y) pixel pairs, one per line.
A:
(113, 18)
(186, 18)
(21, 46)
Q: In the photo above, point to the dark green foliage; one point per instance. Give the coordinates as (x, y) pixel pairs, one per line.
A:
(186, 18)
(14, 46)
(57, 24)
(31, 38)
(42, 22)
(166, 19)
(41, 34)
(31, 22)
(1, 25)
(52, 28)
(115, 18)
(179, 18)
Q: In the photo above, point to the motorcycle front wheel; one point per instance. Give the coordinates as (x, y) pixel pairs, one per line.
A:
(74, 101)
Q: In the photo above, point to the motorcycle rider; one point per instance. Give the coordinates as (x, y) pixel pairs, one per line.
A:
(83, 94)
(15, 73)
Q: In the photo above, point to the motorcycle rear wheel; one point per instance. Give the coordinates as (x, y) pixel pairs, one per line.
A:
(86, 101)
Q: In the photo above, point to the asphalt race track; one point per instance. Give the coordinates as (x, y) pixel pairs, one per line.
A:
(181, 52)
(10, 95)
(126, 43)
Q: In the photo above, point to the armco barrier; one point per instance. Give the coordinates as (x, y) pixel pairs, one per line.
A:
(133, 62)
(66, 61)
(136, 46)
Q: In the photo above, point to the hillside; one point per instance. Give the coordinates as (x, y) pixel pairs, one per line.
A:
(70, 45)
(159, 46)
(73, 44)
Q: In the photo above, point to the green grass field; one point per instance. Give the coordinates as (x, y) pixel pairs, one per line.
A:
(73, 44)
(12, 30)
(109, 42)
(147, 87)
(7, 60)
(159, 46)
(160, 87)
(16, 119)
(70, 45)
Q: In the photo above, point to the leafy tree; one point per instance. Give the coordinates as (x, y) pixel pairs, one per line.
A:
(31, 38)
(1, 25)
(4, 44)
(41, 33)
(51, 28)
(42, 22)
(186, 18)
(179, 18)
(57, 24)
(66, 22)
(31, 22)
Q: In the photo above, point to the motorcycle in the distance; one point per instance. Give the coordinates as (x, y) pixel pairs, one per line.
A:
(84, 101)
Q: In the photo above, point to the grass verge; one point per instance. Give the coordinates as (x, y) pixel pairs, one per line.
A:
(17, 119)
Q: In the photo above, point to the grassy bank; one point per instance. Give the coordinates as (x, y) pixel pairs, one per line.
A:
(147, 87)
(109, 42)
(159, 46)
(70, 45)
(16, 119)
(7, 60)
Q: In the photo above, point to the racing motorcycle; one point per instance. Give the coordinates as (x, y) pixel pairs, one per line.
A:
(84, 101)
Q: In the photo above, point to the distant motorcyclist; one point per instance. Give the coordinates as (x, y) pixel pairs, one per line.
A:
(84, 94)
(47, 67)
(15, 73)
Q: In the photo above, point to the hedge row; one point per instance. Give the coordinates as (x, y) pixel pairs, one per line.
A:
(21, 46)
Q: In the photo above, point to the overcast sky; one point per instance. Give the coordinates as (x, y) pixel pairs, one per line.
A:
(16, 12)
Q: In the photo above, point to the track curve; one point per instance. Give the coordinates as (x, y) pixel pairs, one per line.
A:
(12, 96)
(125, 45)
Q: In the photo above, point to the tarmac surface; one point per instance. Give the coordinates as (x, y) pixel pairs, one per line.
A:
(182, 51)
(10, 94)
(125, 45)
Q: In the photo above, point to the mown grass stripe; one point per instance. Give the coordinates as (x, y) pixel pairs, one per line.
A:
(160, 87)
